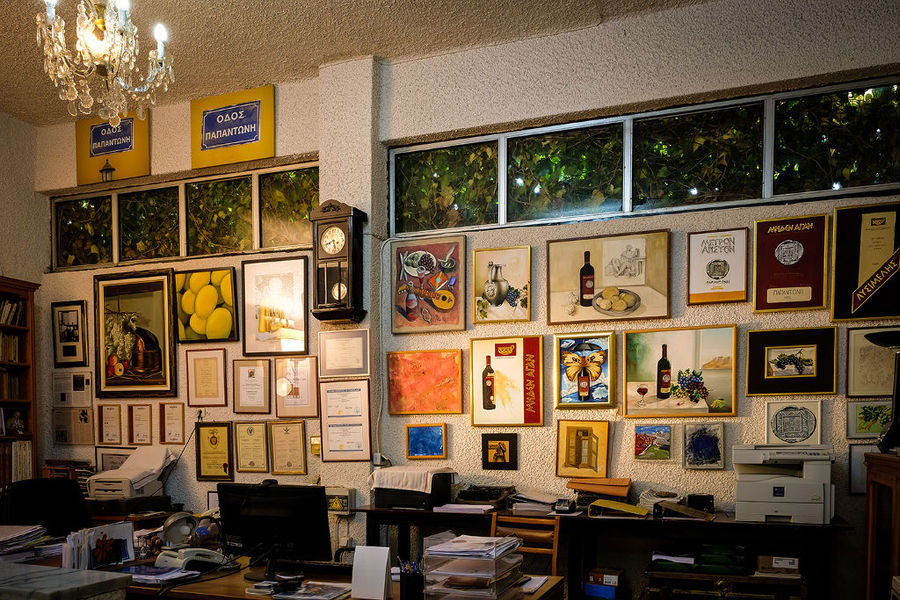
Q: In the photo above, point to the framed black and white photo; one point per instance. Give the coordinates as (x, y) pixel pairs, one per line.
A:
(69, 339)
(794, 422)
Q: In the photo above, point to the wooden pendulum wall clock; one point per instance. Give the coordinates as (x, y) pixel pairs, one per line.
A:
(337, 255)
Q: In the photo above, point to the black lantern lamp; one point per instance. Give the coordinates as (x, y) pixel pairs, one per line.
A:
(890, 435)
(106, 171)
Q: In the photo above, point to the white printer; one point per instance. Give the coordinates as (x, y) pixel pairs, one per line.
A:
(784, 483)
(137, 477)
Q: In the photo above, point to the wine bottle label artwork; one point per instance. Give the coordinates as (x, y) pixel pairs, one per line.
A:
(583, 370)
(506, 381)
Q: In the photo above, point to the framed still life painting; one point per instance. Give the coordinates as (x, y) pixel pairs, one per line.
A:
(870, 368)
(581, 448)
(506, 381)
(424, 382)
(583, 370)
(428, 285)
(791, 361)
(790, 263)
(867, 419)
(608, 278)
(717, 266)
(275, 307)
(135, 334)
(69, 333)
(205, 304)
(501, 283)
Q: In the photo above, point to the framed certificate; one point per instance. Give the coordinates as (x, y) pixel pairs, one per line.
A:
(171, 423)
(296, 387)
(109, 423)
(107, 458)
(717, 266)
(344, 353)
(789, 263)
(288, 442)
(251, 385)
(865, 262)
(140, 424)
(344, 410)
(213, 449)
(206, 377)
(251, 442)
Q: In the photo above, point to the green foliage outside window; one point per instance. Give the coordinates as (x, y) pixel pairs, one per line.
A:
(148, 224)
(447, 187)
(566, 173)
(84, 231)
(219, 216)
(832, 141)
(285, 201)
(698, 158)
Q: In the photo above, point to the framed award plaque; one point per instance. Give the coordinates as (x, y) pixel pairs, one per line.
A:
(789, 266)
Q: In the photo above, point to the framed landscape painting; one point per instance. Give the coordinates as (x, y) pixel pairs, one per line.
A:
(608, 278)
(501, 283)
(680, 372)
(789, 263)
(870, 368)
(205, 304)
(583, 370)
(791, 361)
(506, 381)
(653, 442)
(424, 382)
(428, 285)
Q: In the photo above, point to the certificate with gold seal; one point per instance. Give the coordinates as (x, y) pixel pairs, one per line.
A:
(214, 456)
(288, 440)
(251, 442)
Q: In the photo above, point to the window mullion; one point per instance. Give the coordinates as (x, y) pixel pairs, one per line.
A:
(768, 166)
(182, 219)
(627, 165)
(502, 172)
(114, 209)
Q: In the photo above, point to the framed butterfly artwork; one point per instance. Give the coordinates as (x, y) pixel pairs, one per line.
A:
(584, 368)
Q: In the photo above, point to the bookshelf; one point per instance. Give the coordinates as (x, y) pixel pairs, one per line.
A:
(18, 450)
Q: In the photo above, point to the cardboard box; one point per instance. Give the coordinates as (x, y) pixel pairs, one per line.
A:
(778, 564)
(605, 576)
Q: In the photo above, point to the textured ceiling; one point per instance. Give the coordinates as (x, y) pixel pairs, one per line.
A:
(226, 45)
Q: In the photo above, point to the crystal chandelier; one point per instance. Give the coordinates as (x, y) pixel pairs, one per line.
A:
(102, 68)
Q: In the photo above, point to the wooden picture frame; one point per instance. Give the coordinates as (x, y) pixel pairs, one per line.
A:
(205, 299)
(504, 296)
(287, 440)
(791, 422)
(703, 446)
(714, 348)
(135, 334)
(717, 266)
(790, 263)
(296, 387)
(428, 285)
(109, 424)
(207, 385)
(868, 419)
(251, 383)
(515, 397)
(581, 448)
(275, 312)
(345, 421)
(344, 353)
(139, 433)
(108, 458)
(171, 423)
(424, 382)
(426, 440)
(584, 368)
(856, 466)
(251, 444)
(500, 451)
(215, 458)
(69, 325)
(772, 355)
(627, 277)
(870, 368)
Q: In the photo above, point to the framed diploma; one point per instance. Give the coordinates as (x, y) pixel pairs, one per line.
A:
(296, 387)
(251, 443)
(288, 442)
(789, 264)
(140, 424)
(344, 353)
(214, 457)
(717, 266)
(109, 423)
(206, 378)
(171, 423)
(870, 368)
(251, 385)
(344, 412)
(866, 259)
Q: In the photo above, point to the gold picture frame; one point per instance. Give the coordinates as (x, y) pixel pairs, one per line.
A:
(251, 444)
(584, 369)
(581, 448)
(287, 446)
(500, 296)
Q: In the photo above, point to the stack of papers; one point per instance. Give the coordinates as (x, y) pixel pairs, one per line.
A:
(315, 590)
(477, 509)
(476, 546)
(14, 538)
(151, 575)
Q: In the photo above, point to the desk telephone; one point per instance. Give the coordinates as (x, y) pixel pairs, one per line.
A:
(191, 559)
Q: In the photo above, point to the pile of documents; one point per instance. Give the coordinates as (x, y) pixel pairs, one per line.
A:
(98, 546)
(476, 546)
(474, 568)
(474, 509)
(533, 501)
(152, 575)
(18, 540)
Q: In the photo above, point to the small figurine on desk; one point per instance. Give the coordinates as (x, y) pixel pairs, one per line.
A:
(15, 425)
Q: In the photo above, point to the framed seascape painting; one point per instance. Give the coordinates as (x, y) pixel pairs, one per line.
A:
(501, 284)
(275, 307)
(505, 381)
(581, 448)
(791, 361)
(717, 266)
(583, 370)
(653, 442)
(867, 419)
(428, 285)
(790, 263)
(703, 446)
(424, 382)
(865, 261)
(426, 440)
(794, 422)
(608, 278)
(695, 378)
(135, 334)
(69, 339)
(500, 451)
(870, 368)
(204, 301)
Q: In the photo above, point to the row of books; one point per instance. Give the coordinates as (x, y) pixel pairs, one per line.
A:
(15, 462)
(10, 387)
(12, 312)
(9, 347)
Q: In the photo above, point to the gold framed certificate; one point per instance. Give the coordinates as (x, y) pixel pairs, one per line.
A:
(251, 441)
(296, 387)
(288, 440)
(214, 457)
(206, 377)
(251, 385)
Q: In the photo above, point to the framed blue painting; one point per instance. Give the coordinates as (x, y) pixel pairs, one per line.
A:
(426, 441)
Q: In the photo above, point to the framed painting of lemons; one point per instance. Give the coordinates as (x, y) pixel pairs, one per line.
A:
(205, 305)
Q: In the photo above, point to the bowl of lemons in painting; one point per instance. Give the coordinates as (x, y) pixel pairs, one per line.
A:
(205, 305)
(616, 302)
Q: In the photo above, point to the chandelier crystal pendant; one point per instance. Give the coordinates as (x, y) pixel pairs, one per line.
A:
(102, 69)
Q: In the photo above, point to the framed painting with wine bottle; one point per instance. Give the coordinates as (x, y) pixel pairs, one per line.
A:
(584, 370)
(506, 381)
(791, 361)
(501, 284)
(428, 285)
(681, 372)
(608, 278)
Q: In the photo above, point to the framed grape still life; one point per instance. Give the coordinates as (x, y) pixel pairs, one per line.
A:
(791, 361)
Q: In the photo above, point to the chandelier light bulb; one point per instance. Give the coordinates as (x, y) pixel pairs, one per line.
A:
(51, 9)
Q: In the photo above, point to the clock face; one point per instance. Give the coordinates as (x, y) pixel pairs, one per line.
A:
(339, 291)
(333, 240)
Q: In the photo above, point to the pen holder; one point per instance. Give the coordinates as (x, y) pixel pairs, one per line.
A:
(412, 586)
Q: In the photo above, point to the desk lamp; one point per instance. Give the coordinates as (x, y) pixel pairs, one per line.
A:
(890, 435)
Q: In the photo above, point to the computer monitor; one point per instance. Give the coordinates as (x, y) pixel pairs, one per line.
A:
(275, 522)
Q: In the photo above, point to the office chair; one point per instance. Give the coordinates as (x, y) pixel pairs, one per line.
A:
(54, 503)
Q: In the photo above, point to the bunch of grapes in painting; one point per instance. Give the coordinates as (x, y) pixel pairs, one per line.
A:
(796, 360)
(515, 297)
(690, 385)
